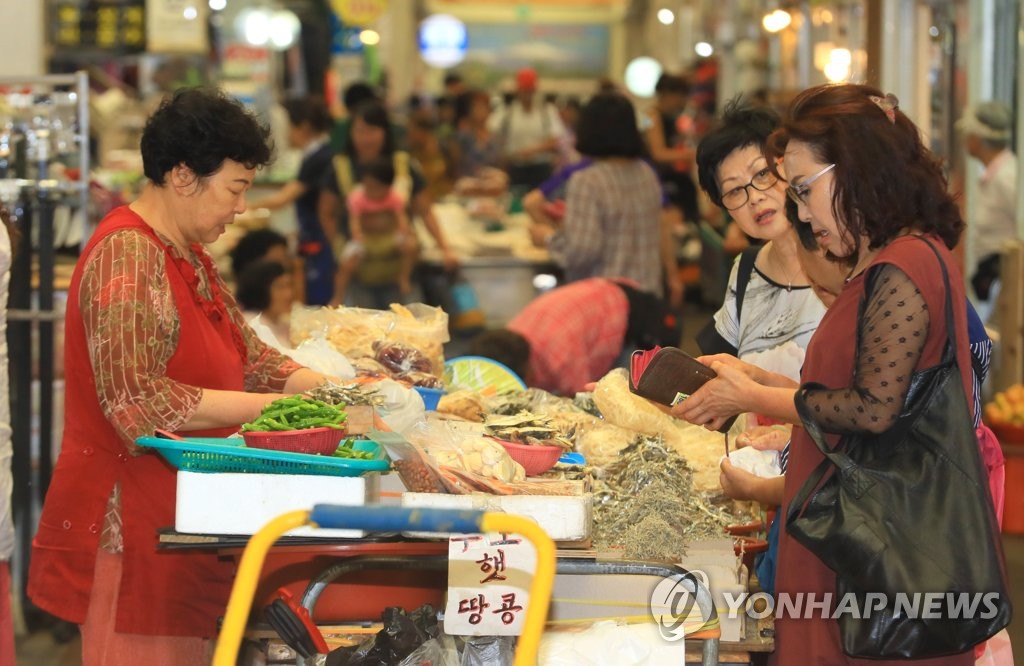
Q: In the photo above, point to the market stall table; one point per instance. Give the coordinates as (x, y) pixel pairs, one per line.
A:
(496, 257)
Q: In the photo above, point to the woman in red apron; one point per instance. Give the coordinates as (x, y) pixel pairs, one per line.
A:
(153, 340)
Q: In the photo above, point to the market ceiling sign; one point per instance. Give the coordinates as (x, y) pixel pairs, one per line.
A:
(359, 12)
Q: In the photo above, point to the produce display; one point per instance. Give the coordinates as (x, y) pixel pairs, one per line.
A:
(1007, 407)
(527, 428)
(297, 413)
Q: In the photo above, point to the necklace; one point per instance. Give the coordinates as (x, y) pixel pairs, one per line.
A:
(780, 265)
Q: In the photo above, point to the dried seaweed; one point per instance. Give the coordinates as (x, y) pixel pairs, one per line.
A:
(645, 503)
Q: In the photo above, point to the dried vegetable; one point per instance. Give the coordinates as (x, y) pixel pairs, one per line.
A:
(645, 502)
(347, 394)
(527, 428)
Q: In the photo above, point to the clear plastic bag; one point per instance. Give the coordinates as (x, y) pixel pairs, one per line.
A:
(489, 651)
(440, 651)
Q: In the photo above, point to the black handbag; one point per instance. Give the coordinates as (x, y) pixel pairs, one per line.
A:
(906, 517)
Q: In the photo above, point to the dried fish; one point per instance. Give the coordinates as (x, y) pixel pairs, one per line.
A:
(645, 502)
(348, 394)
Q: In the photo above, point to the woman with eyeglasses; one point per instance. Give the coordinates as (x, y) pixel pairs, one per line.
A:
(770, 310)
(872, 193)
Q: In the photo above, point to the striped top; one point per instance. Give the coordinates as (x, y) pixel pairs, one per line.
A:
(612, 225)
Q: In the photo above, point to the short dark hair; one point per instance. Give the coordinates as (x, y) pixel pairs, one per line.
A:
(252, 288)
(464, 102)
(382, 170)
(741, 125)
(504, 346)
(672, 83)
(885, 179)
(253, 246)
(308, 111)
(201, 128)
(357, 93)
(608, 128)
(452, 77)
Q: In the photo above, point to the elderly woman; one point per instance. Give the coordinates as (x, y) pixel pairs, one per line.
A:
(153, 340)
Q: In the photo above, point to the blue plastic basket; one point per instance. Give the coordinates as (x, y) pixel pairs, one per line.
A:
(204, 454)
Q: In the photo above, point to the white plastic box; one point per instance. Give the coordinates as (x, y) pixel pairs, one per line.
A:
(563, 517)
(229, 503)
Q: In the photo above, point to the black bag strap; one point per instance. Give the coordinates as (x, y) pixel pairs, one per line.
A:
(743, 273)
(846, 466)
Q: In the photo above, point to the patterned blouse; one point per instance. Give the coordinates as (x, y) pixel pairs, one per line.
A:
(131, 327)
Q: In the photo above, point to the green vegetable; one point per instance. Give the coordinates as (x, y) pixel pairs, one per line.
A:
(296, 413)
(346, 450)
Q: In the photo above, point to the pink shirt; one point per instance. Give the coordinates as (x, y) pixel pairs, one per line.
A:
(359, 204)
(575, 333)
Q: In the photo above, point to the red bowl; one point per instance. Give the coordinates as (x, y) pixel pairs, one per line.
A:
(315, 441)
(534, 459)
(749, 547)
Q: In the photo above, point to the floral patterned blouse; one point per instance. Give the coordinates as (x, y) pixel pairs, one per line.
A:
(131, 326)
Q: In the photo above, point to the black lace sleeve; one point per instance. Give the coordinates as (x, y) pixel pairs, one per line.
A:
(893, 333)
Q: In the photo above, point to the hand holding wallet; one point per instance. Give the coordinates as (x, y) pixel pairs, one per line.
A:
(668, 375)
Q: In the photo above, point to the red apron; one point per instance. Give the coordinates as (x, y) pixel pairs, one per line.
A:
(161, 593)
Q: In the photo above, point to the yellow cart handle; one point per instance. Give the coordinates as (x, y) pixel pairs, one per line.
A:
(378, 518)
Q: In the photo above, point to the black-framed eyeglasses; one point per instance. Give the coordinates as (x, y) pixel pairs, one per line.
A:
(798, 193)
(737, 196)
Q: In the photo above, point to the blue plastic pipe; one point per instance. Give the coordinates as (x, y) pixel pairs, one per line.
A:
(396, 519)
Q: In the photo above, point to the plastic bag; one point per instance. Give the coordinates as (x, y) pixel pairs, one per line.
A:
(440, 651)
(403, 407)
(315, 352)
(352, 331)
(488, 651)
(401, 635)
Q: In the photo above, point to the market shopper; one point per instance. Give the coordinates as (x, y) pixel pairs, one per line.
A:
(612, 224)
(153, 340)
(574, 334)
(770, 311)
(370, 138)
(988, 130)
(873, 194)
(474, 145)
(309, 123)
(529, 129)
(670, 148)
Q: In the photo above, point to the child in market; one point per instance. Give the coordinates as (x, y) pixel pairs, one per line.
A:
(382, 248)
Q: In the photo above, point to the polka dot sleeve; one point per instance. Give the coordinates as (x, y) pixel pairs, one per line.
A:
(893, 333)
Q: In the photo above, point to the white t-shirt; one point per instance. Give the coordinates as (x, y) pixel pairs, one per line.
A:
(520, 129)
(776, 323)
(995, 215)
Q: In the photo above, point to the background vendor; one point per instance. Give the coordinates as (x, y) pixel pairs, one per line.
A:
(575, 334)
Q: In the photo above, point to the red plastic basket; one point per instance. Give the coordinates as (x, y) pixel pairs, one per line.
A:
(316, 441)
(534, 459)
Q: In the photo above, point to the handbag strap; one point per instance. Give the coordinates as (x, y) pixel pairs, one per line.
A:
(857, 481)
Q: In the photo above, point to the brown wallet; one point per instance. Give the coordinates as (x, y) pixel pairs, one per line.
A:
(668, 375)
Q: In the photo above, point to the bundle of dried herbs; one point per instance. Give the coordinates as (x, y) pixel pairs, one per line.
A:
(645, 503)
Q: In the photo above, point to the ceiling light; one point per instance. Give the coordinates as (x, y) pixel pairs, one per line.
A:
(666, 16)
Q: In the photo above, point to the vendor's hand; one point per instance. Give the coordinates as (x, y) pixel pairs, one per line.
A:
(541, 234)
(449, 259)
(718, 400)
(766, 438)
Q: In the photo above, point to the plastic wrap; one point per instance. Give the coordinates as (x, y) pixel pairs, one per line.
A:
(353, 331)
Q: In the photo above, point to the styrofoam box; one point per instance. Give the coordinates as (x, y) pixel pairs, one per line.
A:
(564, 518)
(243, 503)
